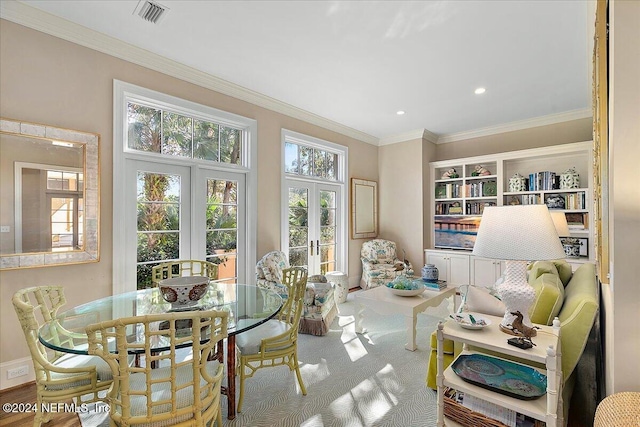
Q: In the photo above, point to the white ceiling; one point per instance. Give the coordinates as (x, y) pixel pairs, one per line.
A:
(358, 62)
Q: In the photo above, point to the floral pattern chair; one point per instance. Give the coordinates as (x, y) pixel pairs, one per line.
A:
(380, 263)
(319, 302)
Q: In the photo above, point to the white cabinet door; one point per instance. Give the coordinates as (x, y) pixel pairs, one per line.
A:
(441, 261)
(452, 267)
(458, 269)
(484, 271)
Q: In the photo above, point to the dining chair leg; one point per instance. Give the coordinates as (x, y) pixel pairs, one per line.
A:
(302, 387)
(241, 395)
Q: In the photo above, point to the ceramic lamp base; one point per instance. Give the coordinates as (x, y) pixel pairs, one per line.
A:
(517, 295)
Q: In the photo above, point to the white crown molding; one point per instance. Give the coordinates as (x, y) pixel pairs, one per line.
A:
(408, 136)
(58, 27)
(519, 125)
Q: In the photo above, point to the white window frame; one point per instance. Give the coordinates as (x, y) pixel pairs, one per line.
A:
(125, 92)
(342, 258)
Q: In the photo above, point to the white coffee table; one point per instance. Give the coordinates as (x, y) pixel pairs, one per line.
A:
(382, 301)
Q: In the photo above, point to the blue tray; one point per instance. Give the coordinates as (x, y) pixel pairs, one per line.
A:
(512, 379)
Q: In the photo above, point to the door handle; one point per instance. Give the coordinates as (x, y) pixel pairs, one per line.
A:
(311, 247)
(317, 247)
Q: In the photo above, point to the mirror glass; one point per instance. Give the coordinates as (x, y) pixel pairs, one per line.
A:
(364, 209)
(49, 195)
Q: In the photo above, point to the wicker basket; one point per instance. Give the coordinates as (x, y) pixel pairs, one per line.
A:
(465, 416)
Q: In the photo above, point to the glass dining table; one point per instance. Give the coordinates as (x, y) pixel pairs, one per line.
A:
(248, 307)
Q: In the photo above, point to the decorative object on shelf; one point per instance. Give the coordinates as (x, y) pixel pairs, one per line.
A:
(520, 329)
(575, 247)
(517, 234)
(480, 170)
(517, 183)
(490, 188)
(455, 209)
(430, 272)
(569, 179)
(555, 201)
(183, 292)
(502, 376)
(514, 201)
(451, 173)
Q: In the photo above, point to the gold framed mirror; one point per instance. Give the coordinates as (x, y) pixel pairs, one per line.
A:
(49, 194)
(364, 209)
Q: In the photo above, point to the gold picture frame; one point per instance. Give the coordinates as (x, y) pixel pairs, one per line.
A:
(364, 209)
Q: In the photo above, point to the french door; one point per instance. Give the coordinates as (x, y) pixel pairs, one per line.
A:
(183, 212)
(313, 227)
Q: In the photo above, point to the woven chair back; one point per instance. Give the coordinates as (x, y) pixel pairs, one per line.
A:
(35, 306)
(181, 268)
(295, 279)
(180, 391)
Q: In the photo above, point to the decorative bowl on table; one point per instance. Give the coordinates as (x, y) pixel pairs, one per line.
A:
(471, 320)
(406, 287)
(183, 292)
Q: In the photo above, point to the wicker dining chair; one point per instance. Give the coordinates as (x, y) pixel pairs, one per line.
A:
(59, 376)
(187, 267)
(275, 343)
(181, 391)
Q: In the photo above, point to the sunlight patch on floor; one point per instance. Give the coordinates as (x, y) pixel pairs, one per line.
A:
(314, 373)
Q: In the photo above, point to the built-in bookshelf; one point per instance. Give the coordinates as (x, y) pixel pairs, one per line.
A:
(462, 188)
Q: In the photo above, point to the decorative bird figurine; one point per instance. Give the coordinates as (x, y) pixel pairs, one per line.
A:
(520, 329)
(407, 264)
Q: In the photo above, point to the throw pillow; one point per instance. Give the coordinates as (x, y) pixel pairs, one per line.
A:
(539, 268)
(549, 298)
(479, 300)
(564, 270)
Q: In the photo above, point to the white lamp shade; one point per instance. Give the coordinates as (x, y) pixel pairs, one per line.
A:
(560, 222)
(520, 233)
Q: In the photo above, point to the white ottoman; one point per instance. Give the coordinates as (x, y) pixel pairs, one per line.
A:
(341, 282)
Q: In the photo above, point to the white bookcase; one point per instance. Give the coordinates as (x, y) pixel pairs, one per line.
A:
(458, 202)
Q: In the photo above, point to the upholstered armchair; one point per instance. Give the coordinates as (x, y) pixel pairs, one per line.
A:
(380, 263)
(319, 302)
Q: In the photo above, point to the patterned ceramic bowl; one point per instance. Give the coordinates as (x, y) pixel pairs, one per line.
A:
(183, 291)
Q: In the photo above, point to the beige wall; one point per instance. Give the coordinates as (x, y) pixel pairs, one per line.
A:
(623, 334)
(401, 189)
(46, 80)
(541, 136)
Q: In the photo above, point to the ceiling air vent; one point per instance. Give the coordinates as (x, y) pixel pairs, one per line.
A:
(151, 11)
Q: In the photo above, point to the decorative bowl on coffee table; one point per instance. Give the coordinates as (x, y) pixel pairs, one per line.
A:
(183, 292)
(406, 287)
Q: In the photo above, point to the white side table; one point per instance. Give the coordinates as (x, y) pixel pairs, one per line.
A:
(341, 282)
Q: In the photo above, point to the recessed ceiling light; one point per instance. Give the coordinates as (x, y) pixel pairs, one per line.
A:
(400, 113)
(480, 91)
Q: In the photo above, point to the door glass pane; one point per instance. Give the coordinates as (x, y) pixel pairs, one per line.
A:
(290, 158)
(319, 163)
(144, 128)
(305, 160)
(298, 226)
(158, 224)
(176, 134)
(332, 161)
(328, 237)
(230, 145)
(205, 140)
(222, 227)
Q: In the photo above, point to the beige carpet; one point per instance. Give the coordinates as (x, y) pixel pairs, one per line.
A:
(352, 380)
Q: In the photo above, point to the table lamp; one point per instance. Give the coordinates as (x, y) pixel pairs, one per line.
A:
(517, 234)
(560, 223)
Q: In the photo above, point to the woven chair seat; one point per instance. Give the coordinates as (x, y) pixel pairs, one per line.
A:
(79, 361)
(162, 391)
(249, 342)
